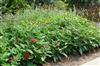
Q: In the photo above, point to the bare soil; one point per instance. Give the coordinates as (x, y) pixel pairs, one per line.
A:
(76, 60)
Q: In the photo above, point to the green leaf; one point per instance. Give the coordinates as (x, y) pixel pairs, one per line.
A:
(80, 51)
(30, 51)
(5, 64)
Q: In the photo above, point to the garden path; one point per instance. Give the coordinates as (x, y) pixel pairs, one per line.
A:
(95, 62)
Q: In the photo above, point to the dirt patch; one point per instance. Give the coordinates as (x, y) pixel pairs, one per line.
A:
(76, 60)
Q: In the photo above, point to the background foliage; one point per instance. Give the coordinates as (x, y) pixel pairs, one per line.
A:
(81, 3)
(86, 8)
(12, 5)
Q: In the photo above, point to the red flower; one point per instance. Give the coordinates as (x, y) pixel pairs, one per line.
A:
(34, 40)
(27, 55)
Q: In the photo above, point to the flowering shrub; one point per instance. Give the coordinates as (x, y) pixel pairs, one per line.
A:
(28, 42)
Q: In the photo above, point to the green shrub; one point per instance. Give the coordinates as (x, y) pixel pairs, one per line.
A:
(32, 37)
(12, 6)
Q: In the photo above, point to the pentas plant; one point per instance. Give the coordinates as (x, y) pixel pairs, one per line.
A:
(62, 34)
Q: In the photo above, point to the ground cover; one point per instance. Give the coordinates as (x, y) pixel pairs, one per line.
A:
(32, 37)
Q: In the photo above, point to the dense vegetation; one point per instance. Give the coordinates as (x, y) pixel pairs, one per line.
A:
(9, 5)
(12, 5)
(89, 9)
(35, 31)
(33, 37)
(81, 3)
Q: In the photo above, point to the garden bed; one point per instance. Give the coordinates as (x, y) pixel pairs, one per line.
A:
(32, 37)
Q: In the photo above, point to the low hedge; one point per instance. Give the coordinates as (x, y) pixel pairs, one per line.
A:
(33, 37)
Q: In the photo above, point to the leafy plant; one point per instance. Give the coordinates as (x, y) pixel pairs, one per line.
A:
(32, 37)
